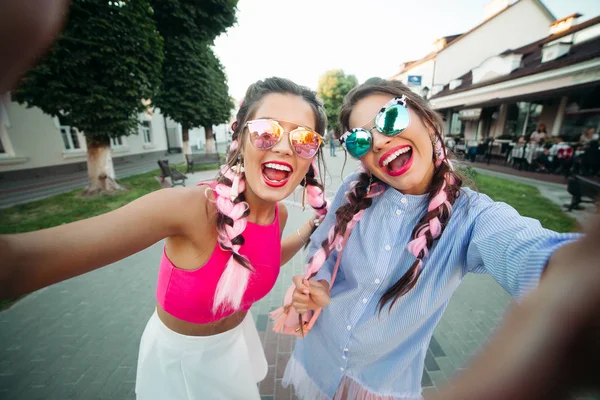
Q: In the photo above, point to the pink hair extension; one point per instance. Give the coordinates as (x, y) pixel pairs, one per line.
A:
(418, 246)
(316, 199)
(234, 280)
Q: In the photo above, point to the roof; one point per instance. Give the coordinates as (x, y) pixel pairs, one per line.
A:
(531, 61)
(451, 39)
(537, 2)
(411, 64)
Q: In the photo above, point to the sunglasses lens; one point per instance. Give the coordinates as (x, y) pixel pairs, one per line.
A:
(305, 142)
(392, 120)
(358, 143)
(264, 133)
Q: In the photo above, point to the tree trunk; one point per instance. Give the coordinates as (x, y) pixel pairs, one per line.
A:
(211, 146)
(101, 172)
(185, 138)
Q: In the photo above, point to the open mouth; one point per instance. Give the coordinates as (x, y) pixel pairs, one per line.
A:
(276, 174)
(397, 161)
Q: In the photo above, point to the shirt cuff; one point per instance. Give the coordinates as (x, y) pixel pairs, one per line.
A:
(530, 274)
(326, 270)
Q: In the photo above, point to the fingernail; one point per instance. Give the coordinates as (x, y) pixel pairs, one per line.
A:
(306, 291)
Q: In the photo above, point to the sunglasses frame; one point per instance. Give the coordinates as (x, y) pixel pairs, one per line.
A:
(400, 100)
(299, 128)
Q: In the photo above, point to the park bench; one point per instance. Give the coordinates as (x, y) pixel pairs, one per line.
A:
(177, 178)
(195, 159)
(580, 186)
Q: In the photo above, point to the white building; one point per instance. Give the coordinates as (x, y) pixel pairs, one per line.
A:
(553, 81)
(34, 144)
(503, 27)
(418, 74)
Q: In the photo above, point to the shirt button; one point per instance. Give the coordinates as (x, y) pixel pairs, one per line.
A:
(342, 369)
(346, 349)
(377, 281)
(364, 301)
(349, 327)
(388, 247)
(398, 212)
(403, 201)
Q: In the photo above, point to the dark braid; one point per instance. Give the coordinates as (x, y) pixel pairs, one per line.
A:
(443, 191)
(346, 217)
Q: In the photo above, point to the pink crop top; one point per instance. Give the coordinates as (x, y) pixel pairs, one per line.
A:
(188, 294)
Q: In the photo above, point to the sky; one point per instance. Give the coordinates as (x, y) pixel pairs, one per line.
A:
(302, 39)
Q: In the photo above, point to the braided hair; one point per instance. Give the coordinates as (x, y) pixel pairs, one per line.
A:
(442, 192)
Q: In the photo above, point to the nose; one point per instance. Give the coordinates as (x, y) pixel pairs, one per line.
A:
(283, 146)
(379, 140)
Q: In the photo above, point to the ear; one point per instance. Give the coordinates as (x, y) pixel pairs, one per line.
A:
(234, 126)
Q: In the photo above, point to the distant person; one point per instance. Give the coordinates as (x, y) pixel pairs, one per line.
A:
(332, 141)
(539, 134)
(588, 136)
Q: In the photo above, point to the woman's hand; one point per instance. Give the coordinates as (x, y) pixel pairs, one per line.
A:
(309, 295)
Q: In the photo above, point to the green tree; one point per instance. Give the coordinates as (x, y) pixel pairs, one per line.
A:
(194, 89)
(206, 19)
(333, 86)
(106, 62)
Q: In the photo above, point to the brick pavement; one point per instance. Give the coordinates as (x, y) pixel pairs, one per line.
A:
(79, 339)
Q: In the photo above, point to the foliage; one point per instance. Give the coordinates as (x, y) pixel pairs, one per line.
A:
(333, 86)
(107, 61)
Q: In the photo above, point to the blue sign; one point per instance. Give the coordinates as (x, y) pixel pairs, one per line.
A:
(414, 80)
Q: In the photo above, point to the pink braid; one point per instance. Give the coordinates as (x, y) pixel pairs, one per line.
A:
(234, 280)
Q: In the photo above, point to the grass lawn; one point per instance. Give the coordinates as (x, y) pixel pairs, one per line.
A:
(527, 200)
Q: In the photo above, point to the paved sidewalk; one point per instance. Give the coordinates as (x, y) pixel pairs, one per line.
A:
(79, 339)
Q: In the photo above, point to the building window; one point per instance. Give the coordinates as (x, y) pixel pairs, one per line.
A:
(117, 142)
(147, 131)
(522, 118)
(69, 135)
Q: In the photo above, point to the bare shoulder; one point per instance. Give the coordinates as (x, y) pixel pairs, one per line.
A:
(196, 204)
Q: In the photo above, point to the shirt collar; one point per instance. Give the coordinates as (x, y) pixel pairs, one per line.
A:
(406, 200)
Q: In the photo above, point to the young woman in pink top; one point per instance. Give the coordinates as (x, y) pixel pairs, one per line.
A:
(222, 253)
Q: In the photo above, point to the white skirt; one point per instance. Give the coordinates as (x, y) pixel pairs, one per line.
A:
(172, 366)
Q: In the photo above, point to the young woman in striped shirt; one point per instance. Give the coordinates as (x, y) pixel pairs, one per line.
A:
(415, 233)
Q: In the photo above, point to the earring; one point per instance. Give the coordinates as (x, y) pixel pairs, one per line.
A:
(304, 196)
(438, 151)
(238, 170)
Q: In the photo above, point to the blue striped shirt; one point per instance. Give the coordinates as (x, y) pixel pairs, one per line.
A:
(386, 354)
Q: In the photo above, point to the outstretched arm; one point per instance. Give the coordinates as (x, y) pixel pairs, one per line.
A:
(37, 259)
(547, 347)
